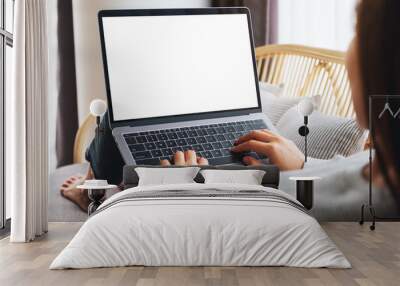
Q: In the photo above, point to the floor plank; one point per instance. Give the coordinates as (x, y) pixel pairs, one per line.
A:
(375, 257)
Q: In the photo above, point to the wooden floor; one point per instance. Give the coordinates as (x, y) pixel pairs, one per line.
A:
(375, 257)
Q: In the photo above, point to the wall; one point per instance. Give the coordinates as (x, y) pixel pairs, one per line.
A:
(89, 66)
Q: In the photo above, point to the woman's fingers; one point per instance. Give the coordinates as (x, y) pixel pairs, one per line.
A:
(248, 160)
(269, 132)
(259, 135)
(179, 158)
(187, 158)
(252, 145)
(190, 158)
(202, 161)
(165, 162)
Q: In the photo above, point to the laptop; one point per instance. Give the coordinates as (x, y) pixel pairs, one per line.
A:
(180, 79)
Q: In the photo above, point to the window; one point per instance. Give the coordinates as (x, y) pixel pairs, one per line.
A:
(6, 44)
(325, 24)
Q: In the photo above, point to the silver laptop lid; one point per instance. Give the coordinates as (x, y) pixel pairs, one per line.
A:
(178, 64)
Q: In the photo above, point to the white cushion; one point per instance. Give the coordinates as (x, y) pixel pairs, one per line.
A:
(273, 104)
(271, 88)
(329, 135)
(166, 176)
(248, 177)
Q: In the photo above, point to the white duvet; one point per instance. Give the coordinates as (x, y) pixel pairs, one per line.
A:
(188, 231)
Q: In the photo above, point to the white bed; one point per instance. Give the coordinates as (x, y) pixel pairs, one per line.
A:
(222, 225)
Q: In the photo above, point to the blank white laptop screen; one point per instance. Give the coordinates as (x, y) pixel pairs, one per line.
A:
(173, 65)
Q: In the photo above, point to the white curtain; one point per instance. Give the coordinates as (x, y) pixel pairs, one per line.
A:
(27, 123)
(318, 23)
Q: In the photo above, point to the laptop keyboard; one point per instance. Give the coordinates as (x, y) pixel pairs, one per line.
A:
(212, 142)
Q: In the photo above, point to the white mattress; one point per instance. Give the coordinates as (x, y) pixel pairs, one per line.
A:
(189, 231)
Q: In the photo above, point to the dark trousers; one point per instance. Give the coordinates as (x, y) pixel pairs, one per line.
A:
(103, 155)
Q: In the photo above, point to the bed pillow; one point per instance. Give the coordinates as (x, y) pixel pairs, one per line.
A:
(273, 104)
(248, 177)
(166, 176)
(329, 135)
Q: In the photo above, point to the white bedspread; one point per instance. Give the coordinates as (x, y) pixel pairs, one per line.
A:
(183, 231)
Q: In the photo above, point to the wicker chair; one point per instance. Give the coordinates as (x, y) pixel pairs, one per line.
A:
(83, 137)
(303, 71)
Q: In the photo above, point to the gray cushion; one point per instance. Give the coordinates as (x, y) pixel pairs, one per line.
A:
(59, 208)
(270, 179)
(329, 135)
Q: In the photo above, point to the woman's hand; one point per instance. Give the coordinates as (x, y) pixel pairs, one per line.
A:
(281, 152)
(187, 158)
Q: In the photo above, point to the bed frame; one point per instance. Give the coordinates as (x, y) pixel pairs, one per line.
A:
(270, 179)
(301, 70)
